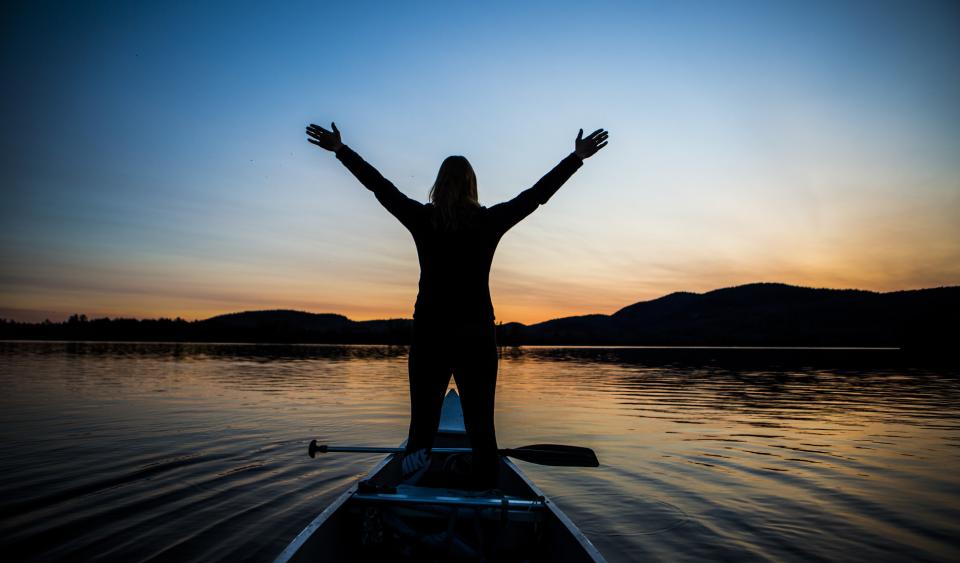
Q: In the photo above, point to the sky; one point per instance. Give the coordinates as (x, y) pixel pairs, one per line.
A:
(153, 161)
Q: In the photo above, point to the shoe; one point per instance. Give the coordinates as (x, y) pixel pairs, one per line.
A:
(413, 466)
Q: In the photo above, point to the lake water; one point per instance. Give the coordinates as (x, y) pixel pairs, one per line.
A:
(174, 452)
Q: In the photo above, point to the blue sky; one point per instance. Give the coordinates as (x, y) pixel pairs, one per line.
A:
(154, 161)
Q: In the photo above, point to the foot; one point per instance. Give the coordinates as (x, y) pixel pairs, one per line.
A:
(413, 466)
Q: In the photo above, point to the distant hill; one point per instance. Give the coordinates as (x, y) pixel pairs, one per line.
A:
(298, 326)
(279, 318)
(765, 314)
(760, 314)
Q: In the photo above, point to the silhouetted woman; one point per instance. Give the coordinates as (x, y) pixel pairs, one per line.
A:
(453, 321)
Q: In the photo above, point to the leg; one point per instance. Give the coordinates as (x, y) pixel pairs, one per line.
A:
(475, 370)
(429, 373)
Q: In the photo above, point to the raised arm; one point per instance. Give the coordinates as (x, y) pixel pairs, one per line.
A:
(399, 205)
(509, 213)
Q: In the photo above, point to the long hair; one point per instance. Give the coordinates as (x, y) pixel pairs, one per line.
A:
(454, 193)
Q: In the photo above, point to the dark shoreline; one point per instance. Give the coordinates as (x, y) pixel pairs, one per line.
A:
(762, 315)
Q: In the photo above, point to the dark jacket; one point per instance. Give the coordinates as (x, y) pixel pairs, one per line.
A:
(455, 265)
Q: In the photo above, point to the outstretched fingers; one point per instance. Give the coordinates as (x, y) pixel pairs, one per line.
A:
(318, 132)
(599, 140)
(316, 139)
(598, 135)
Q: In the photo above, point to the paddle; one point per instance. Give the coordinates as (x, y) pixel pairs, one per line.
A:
(542, 454)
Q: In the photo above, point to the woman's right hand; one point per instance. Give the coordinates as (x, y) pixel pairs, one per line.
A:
(585, 148)
(329, 140)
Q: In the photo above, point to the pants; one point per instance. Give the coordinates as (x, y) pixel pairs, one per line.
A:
(469, 352)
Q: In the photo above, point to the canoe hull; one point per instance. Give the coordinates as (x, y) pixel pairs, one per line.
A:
(425, 524)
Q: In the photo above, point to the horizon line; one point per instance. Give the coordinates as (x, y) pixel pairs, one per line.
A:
(40, 315)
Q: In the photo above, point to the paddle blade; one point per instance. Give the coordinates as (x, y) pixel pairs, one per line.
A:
(554, 454)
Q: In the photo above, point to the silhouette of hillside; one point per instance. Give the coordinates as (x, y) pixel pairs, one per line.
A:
(760, 314)
(299, 326)
(765, 314)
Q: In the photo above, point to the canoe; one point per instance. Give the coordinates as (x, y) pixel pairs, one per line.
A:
(380, 519)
